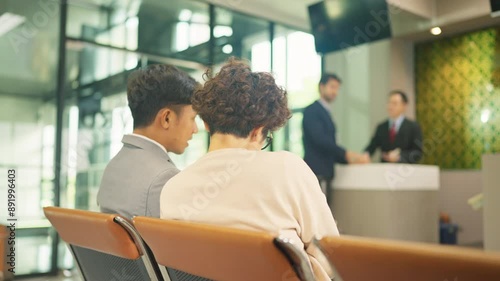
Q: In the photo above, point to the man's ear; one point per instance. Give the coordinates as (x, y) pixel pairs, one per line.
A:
(165, 116)
(321, 87)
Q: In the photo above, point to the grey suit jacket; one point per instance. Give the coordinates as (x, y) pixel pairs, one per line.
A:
(133, 180)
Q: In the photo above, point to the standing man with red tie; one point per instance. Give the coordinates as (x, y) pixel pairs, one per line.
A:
(399, 138)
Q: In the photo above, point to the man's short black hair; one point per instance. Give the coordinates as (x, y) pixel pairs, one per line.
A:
(327, 77)
(155, 87)
(404, 97)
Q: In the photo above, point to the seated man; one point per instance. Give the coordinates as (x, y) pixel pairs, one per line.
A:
(159, 98)
(399, 138)
(236, 184)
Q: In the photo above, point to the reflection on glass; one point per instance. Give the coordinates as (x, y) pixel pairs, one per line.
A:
(297, 67)
(115, 24)
(241, 36)
(96, 115)
(33, 253)
(261, 56)
(295, 134)
(27, 124)
(96, 118)
(175, 28)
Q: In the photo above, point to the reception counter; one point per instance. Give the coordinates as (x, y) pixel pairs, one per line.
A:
(390, 201)
(491, 207)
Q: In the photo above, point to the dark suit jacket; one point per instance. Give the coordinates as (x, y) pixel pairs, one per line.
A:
(408, 139)
(320, 147)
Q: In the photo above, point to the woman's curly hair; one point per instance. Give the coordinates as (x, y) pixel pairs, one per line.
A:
(237, 100)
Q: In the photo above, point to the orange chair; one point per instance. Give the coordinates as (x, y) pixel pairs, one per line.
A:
(4, 273)
(360, 259)
(105, 246)
(3, 240)
(221, 253)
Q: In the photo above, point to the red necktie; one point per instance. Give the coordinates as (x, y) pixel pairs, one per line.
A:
(392, 133)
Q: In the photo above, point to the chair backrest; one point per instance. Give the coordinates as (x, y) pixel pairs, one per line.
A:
(219, 253)
(356, 259)
(105, 246)
(4, 273)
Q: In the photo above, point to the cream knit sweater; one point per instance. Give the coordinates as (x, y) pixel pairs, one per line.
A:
(274, 192)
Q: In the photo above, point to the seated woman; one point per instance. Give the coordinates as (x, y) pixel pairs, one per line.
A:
(236, 184)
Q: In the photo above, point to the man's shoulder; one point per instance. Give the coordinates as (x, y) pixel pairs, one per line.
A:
(384, 124)
(312, 110)
(411, 123)
(132, 177)
(136, 154)
(312, 106)
(133, 162)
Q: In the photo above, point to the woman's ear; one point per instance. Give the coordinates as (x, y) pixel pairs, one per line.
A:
(256, 134)
(165, 117)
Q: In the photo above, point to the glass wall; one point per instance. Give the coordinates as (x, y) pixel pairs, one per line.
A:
(297, 68)
(28, 47)
(105, 41)
(242, 36)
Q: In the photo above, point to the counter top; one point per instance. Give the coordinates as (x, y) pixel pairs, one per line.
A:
(386, 176)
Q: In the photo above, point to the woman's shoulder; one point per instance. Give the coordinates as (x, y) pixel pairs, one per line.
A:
(295, 173)
(290, 160)
(287, 155)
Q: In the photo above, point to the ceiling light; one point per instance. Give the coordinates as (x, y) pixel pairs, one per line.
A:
(436, 30)
(485, 116)
(10, 21)
(185, 15)
(132, 22)
(221, 30)
(334, 9)
(227, 49)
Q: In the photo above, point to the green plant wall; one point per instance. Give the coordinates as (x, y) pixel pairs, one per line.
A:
(458, 98)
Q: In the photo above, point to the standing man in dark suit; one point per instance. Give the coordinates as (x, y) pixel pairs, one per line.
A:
(319, 135)
(399, 138)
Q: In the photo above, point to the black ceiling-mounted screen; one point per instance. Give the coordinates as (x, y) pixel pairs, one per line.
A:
(340, 24)
(495, 7)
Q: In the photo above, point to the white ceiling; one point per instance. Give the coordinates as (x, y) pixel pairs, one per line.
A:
(28, 60)
(294, 12)
(35, 73)
(290, 12)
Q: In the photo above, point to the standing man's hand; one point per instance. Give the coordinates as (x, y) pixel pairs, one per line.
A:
(356, 158)
(392, 156)
(365, 158)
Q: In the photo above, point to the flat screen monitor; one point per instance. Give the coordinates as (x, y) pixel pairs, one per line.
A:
(495, 8)
(341, 24)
